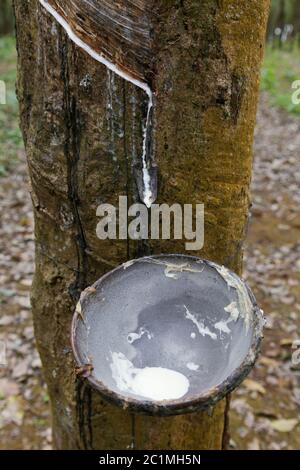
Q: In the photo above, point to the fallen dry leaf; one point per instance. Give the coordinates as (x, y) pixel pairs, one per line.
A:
(266, 361)
(254, 386)
(254, 445)
(286, 342)
(284, 425)
(8, 388)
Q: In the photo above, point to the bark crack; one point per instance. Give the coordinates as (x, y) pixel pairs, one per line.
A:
(226, 435)
(72, 153)
(84, 414)
(126, 154)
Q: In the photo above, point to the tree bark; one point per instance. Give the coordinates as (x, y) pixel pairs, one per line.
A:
(81, 127)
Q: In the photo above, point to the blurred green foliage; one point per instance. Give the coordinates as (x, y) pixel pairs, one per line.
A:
(280, 69)
(10, 136)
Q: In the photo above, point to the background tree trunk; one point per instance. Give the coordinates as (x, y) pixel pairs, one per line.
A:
(80, 129)
(296, 19)
(273, 17)
(6, 17)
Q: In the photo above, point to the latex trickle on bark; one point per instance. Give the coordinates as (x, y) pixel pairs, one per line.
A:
(117, 34)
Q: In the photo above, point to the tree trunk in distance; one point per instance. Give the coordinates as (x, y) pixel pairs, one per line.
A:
(81, 128)
(296, 19)
(6, 17)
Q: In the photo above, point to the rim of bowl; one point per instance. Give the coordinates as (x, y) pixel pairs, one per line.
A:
(199, 401)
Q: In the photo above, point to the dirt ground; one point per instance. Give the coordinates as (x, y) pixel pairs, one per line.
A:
(265, 411)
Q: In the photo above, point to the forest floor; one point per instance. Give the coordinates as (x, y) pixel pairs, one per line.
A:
(265, 410)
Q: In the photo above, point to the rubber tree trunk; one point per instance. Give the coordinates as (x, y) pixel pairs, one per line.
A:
(80, 129)
(6, 17)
